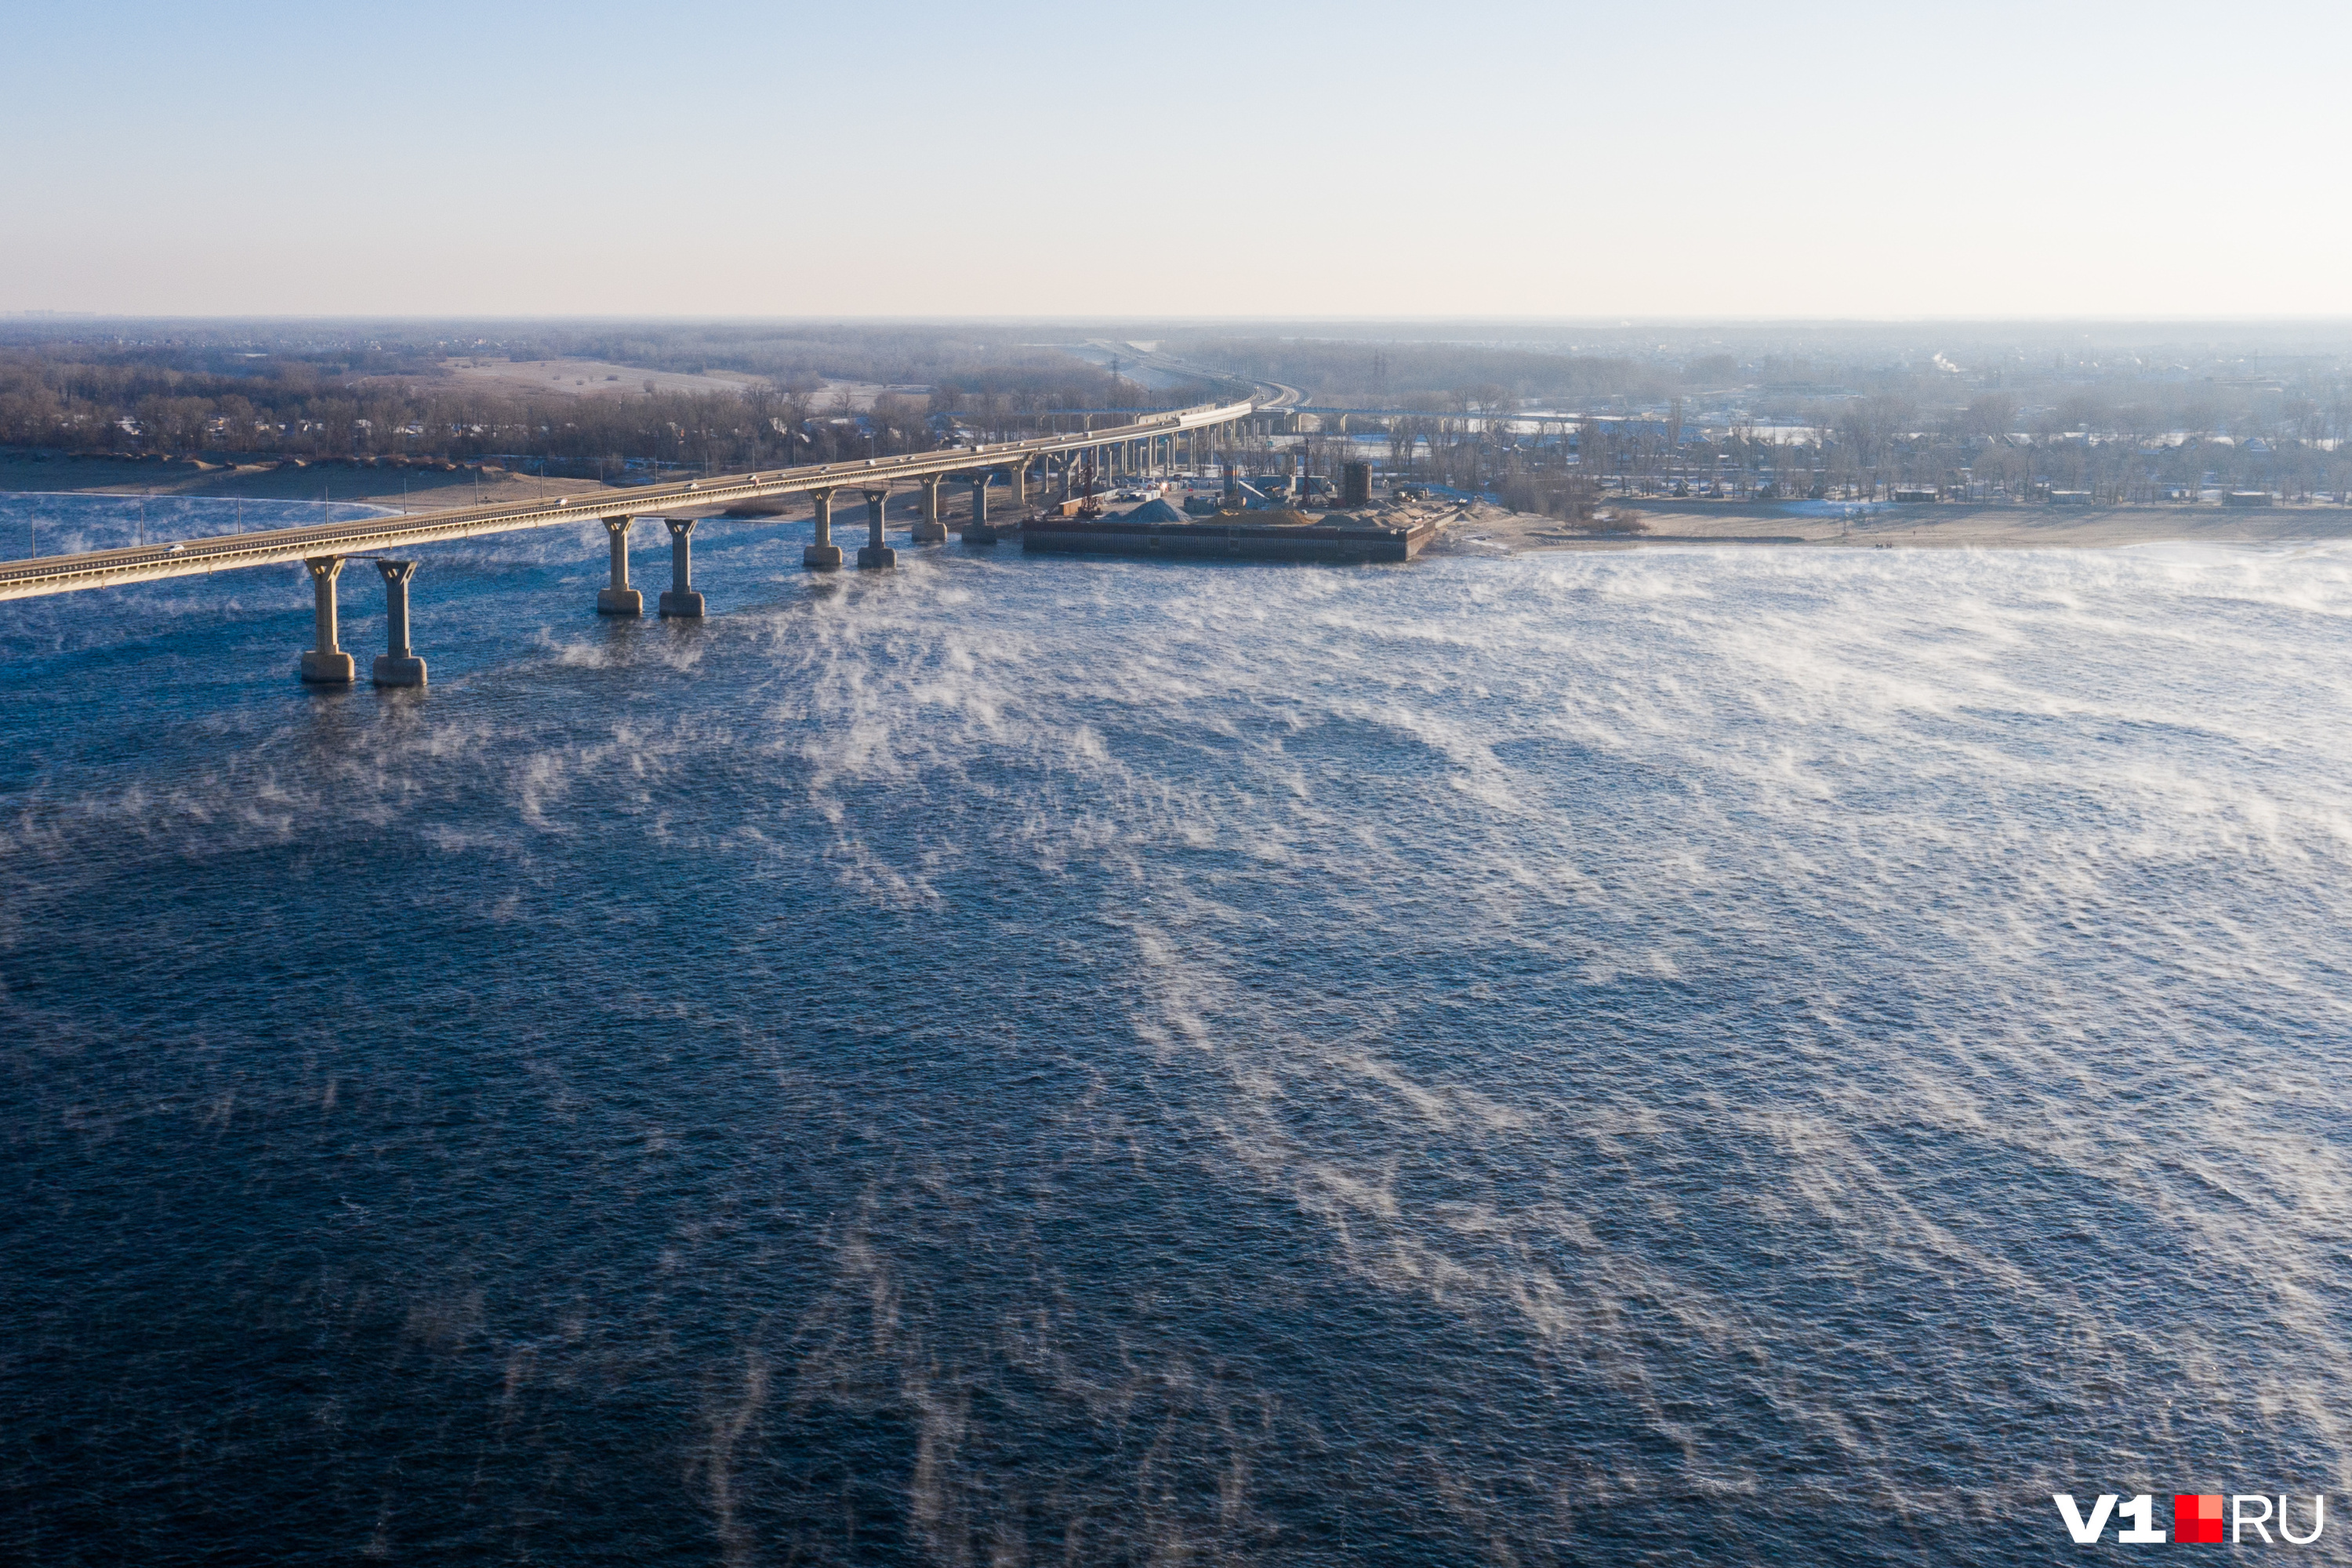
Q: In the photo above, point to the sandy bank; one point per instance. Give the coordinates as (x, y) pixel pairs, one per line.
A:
(1483, 526)
(420, 489)
(590, 378)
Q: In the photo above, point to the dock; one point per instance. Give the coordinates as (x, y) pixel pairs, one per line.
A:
(1229, 536)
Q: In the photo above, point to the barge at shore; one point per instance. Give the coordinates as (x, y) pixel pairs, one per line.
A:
(1229, 536)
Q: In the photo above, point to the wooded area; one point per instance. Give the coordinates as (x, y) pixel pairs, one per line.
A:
(1833, 412)
(230, 392)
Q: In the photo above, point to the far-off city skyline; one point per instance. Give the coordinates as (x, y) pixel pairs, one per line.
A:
(1814, 161)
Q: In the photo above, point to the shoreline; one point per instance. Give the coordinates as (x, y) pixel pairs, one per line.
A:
(425, 487)
(1941, 525)
(1922, 526)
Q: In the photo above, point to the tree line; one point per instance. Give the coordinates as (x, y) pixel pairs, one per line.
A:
(1567, 467)
(371, 399)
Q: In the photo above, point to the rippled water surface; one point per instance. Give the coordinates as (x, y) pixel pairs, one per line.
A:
(1695, 1056)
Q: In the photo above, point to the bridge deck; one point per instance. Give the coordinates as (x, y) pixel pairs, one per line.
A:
(228, 552)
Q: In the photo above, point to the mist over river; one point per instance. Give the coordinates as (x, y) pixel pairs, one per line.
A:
(1688, 1055)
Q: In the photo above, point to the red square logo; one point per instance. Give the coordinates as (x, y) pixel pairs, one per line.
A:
(2197, 1516)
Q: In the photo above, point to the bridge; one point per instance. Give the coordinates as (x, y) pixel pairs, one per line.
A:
(1144, 445)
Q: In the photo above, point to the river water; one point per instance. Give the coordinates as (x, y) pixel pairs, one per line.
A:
(1695, 1055)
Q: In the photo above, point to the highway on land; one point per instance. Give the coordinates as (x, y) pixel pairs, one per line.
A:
(1269, 395)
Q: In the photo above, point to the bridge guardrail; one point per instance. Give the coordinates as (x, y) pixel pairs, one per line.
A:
(230, 553)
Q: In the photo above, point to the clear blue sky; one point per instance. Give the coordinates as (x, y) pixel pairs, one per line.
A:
(691, 158)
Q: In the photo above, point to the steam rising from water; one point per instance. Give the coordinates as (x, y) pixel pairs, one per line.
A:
(1694, 1053)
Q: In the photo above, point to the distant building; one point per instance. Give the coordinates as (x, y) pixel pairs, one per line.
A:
(2247, 497)
(2070, 497)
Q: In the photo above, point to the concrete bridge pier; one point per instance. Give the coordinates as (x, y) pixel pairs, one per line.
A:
(823, 556)
(978, 531)
(1016, 475)
(326, 665)
(681, 600)
(398, 664)
(620, 599)
(876, 555)
(932, 530)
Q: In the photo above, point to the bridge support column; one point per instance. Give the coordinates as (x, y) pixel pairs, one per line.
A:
(876, 555)
(398, 664)
(681, 600)
(1017, 476)
(326, 665)
(823, 556)
(932, 530)
(978, 531)
(620, 599)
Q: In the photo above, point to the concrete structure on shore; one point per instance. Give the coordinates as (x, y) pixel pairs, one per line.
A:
(1151, 442)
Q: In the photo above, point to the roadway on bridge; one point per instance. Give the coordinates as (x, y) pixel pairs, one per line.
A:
(187, 558)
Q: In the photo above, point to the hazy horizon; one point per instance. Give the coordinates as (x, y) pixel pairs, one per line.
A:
(1822, 163)
(1131, 321)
